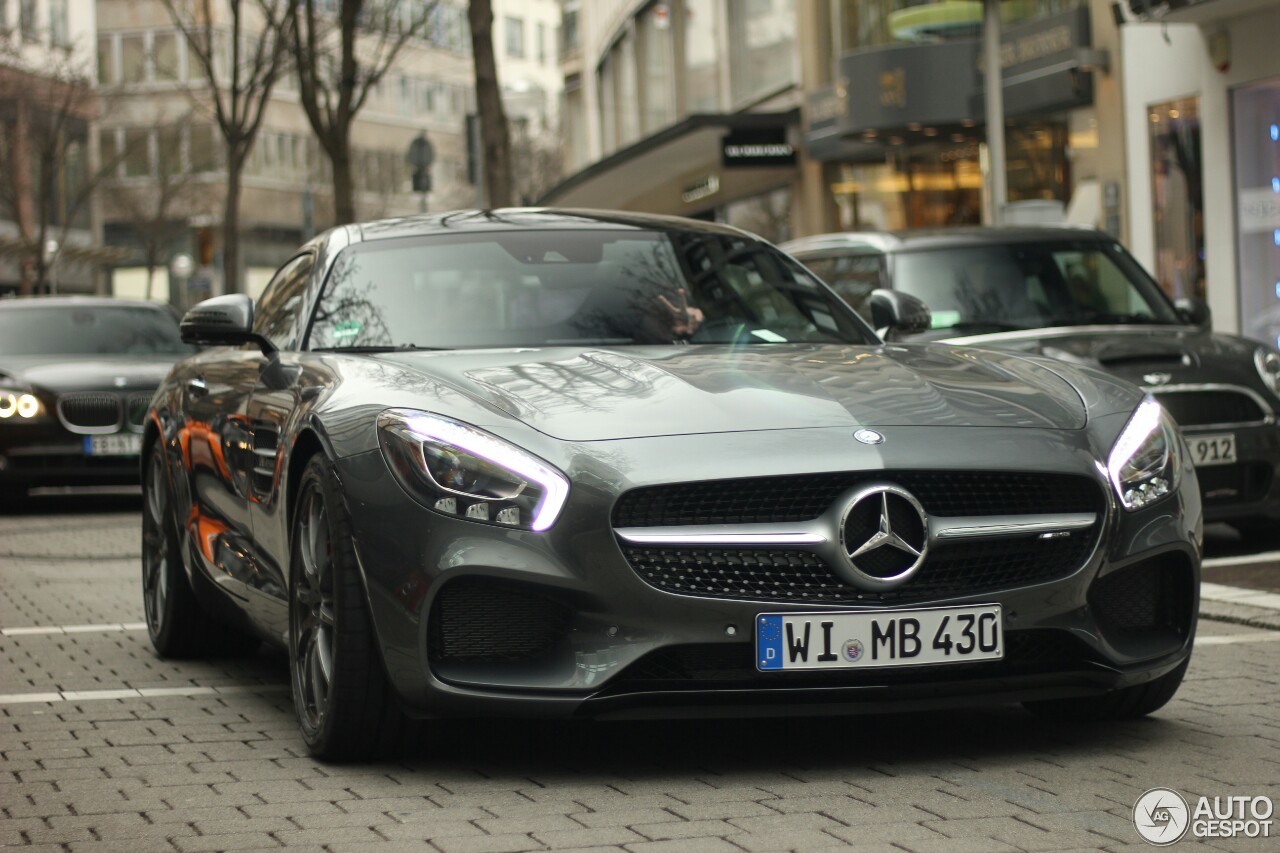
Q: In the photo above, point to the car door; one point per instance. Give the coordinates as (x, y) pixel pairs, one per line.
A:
(279, 387)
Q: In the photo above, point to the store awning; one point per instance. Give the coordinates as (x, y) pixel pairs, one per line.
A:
(678, 170)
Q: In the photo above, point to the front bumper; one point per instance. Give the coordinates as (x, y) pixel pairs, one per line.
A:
(1246, 490)
(48, 454)
(619, 647)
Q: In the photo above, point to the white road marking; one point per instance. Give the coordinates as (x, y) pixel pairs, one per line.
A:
(1230, 639)
(1244, 560)
(1239, 595)
(73, 629)
(142, 693)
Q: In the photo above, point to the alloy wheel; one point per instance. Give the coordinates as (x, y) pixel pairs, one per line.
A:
(155, 547)
(312, 615)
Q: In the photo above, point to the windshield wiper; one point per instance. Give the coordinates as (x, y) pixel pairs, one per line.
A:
(365, 350)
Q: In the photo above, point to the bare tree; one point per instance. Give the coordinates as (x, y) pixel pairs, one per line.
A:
(46, 181)
(537, 162)
(493, 118)
(240, 55)
(339, 61)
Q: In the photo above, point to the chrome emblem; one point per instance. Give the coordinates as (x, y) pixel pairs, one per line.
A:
(869, 436)
(884, 536)
(1156, 378)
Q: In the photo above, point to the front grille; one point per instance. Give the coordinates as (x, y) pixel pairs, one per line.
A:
(135, 410)
(804, 496)
(1239, 482)
(1149, 599)
(951, 570)
(712, 666)
(89, 411)
(490, 620)
(1203, 408)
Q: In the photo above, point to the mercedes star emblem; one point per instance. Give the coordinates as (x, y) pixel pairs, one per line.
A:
(1156, 378)
(869, 436)
(884, 533)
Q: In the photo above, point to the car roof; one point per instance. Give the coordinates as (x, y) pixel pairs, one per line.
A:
(939, 238)
(531, 219)
(42, 301)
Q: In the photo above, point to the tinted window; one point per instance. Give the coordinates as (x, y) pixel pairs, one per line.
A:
(278, 315)
(1025, 286)
(89, 330)
(851, 276)
(543, 288)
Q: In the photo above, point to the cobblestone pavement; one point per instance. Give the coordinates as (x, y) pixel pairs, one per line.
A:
(122, 751)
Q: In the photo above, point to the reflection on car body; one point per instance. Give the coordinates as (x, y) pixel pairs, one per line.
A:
(476, 466)
(1077, 295)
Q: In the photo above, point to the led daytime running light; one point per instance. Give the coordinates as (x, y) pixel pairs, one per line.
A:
(554, 485)
(1147, 420)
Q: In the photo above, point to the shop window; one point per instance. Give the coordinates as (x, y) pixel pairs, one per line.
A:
(1255, 115)
(762, 40)
(1177, 198)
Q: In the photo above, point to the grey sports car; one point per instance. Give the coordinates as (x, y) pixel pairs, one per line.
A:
(587, 464)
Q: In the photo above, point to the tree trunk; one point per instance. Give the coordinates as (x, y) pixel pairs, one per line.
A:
(493, 118)
(21, 166)
(344, 203)
(231, 226)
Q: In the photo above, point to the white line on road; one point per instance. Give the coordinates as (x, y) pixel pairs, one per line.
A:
(142, 693)
(1244, 560)
(1230, 639)
(1238, 595)
(73, 629)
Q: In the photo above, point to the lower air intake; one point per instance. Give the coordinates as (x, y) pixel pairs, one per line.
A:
(490, 620)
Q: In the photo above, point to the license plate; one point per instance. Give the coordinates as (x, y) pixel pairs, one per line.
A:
(790, 641)
(120, 444)
(1216, 449)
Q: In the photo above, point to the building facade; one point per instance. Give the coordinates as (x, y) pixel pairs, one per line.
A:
(49, 230)
(170, 164)
(526, 35)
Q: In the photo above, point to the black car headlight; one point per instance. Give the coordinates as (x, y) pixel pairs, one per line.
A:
(1145, 461)
(19, 405)
(459, 470)
(1268, 363)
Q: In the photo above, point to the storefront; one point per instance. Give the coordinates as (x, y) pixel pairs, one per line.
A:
(902, 131)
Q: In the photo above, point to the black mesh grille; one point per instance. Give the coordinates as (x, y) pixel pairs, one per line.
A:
(1197, 408)
(135, 409)
(951, 570)
(1242, 481)
(1151, 596)
(489, 620)
(805, 496)
(727, 665)
(90, 411)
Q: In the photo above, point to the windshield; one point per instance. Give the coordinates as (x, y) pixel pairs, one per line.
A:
(89, 330)
(574, 288)
(1029, 285)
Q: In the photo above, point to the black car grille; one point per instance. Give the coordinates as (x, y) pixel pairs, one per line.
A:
(490, 620)
(805, 496)
(713, 666)
(1203, 408)
(89, 411)
(135, 410)
(951, 570)
(1238, 482)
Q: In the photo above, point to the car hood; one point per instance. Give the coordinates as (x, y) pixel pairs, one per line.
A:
(1145, 355)
(587, 395)
(84, 372)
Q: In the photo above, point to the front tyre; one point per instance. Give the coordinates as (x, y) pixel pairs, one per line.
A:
(345, 704)
(1127, 703)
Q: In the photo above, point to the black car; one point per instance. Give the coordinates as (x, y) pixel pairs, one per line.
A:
(589, 464)
(76, 378)
(1077, 295)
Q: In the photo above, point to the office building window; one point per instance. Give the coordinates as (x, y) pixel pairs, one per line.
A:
(133, 59)
(203, 147)
(762, 37)
(542, 43)
(515, 37)
(59, 25)
(106, 59)
(657, 67)
(701, 56)
(164, 52)
(136, 153)
(27, 20)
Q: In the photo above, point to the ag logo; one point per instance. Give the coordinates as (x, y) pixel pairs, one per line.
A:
(1161, 816)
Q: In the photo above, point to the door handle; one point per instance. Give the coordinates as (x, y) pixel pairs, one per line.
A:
(197, 386)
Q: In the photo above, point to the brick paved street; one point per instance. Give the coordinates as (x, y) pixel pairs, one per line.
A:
(122, 751)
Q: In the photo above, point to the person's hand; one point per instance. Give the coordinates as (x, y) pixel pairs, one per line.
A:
(684, 319)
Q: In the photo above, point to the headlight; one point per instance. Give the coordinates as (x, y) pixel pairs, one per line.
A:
(1145, 461)
(1268, 362)
(458, 470)
(19, 404)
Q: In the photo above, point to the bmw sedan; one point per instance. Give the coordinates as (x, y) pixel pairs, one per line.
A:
(1077, 295)
(76, 378)
(587, 464)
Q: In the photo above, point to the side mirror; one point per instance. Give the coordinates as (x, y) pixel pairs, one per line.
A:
(902, 313)
(1195, 311)
(223, 321)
